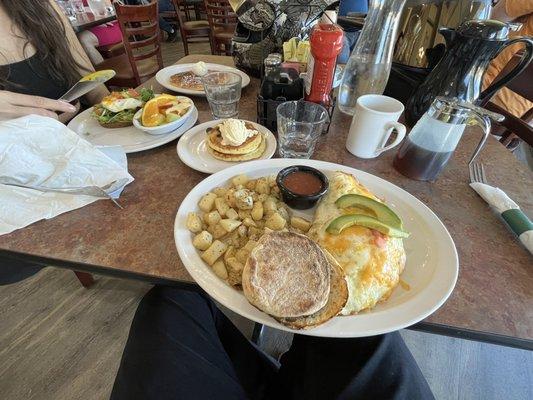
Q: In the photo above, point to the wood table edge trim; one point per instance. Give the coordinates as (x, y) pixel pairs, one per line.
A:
(422, 326)
(91, 24)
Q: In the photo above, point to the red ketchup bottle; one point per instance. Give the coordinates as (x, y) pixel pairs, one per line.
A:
(326, 44)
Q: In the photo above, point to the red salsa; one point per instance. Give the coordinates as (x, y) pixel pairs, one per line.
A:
(303, 183)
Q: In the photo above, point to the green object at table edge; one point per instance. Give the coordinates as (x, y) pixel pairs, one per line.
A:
(517, 220)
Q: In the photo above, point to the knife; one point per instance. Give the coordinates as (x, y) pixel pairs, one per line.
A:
(509, 210)
(86, 84)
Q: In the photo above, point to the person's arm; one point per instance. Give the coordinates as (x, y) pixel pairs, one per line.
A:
(96, 95)
(13, 105)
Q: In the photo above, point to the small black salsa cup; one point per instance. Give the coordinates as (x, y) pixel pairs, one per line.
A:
(301, 201)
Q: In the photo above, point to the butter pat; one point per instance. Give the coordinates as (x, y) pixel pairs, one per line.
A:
(289, 50)
(234, 132)
(303, 51)
(199, 69)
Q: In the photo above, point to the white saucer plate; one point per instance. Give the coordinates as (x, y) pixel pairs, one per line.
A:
(192, 148)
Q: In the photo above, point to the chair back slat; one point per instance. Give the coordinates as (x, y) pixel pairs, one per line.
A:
(222, 21)
(220, 14)
(140, 29)
(186, 29)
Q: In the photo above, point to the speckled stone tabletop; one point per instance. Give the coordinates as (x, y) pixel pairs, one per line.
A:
(494, 292)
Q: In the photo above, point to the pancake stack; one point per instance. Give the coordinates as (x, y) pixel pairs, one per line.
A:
(252, 148)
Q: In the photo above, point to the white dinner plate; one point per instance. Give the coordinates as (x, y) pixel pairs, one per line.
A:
(163, 76)
(130, 138)
(430, 272)
(192, 148)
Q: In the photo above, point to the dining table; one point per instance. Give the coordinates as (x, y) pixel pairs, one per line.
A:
(88, 20)
(492, 300)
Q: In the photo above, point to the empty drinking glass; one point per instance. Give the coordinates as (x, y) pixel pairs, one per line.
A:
(223, 92)
(300, 124)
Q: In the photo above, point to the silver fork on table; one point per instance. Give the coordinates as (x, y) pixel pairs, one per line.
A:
(477, 172)
(519, 222)
(87, 191)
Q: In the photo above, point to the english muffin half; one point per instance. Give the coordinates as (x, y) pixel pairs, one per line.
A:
(287, 276)
(338, 296)
(112, 125)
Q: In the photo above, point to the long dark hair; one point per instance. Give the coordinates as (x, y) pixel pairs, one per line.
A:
(42, 27)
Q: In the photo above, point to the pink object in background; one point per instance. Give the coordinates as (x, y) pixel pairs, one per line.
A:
(107, 33)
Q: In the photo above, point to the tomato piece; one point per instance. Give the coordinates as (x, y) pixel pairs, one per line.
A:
(133, 93)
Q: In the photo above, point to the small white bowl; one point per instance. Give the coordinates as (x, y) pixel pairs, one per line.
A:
(165, 128)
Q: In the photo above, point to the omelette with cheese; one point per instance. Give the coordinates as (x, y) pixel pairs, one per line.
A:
(372, 261)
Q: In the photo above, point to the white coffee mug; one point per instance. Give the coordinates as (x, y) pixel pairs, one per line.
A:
(374, 120)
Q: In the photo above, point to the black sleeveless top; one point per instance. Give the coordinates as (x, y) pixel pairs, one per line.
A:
(31, 77)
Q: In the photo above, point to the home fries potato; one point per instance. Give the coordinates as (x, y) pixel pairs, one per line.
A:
(232, 219)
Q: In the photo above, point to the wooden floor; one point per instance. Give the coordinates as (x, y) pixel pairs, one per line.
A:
(61, 341)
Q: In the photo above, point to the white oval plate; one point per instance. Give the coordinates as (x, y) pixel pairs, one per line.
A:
(163, 76)
(192, 148)
(130, 138)
(431, 269)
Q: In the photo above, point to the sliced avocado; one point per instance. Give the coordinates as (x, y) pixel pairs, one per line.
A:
(345, 221)
(382, 211)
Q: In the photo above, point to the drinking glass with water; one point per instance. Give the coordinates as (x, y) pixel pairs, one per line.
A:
(300, 124)
(223, 92)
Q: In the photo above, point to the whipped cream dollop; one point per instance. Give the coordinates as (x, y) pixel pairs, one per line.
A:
(234, 132)
(199, 69)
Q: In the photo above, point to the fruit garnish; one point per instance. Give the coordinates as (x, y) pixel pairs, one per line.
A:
(151, 115)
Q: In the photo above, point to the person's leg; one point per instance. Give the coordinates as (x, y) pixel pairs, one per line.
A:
(181, 346)
(12, 270)
(164, 6)
(89, 42)
(377, 367)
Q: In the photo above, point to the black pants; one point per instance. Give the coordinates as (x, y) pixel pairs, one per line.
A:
(13, 270)
(182, 347)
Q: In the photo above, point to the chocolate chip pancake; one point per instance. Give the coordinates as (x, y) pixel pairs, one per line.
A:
(214, 141)
(258, 152)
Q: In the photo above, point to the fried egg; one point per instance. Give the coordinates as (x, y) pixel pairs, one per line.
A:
(371, 260)
(120, 104)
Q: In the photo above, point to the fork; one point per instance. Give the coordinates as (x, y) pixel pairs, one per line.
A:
(477, 172)
(519, 222)
(87, 190)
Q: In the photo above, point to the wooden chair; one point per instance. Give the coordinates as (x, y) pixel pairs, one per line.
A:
(193, 30)
(513, 127)
(141, 36)
(222, 21)
(190, 6)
